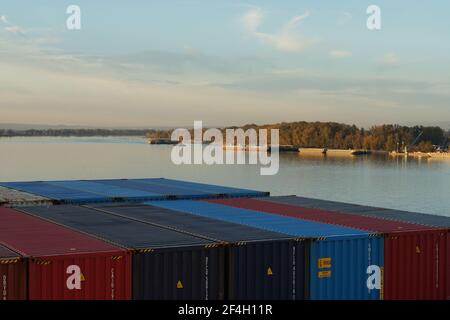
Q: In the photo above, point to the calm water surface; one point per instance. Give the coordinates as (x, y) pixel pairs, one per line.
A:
(413, 184)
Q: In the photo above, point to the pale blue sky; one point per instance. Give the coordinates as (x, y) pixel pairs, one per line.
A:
(137, 63)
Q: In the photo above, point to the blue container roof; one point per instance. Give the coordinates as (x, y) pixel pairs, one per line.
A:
(202, 187)
(91, 191)
(289, 226)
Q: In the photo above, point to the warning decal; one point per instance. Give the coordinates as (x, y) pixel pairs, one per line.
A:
(324, 263)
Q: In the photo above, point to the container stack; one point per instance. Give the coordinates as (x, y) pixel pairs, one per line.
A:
(416, 256)
(160, 239)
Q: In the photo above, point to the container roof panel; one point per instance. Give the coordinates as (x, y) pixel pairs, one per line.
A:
(125, 232)
(290, 226)
(35, 237)
(207, 227)
(318, 215)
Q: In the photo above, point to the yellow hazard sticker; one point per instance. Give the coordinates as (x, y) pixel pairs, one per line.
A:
(324, 274)
(82, 278)
(180, 284)
(269, 271)
(324, 263)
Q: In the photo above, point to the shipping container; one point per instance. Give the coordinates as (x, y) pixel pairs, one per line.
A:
(167, 264)
(261, 264)
(339, 258)
(95, 191)
(64, 264)
(13, 275)
(423, 249)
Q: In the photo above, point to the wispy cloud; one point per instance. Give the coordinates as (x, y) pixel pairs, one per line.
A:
(390, 60)
(15, 30)
(340, 54)
(288, 39)
(11, 28)
(344, 17)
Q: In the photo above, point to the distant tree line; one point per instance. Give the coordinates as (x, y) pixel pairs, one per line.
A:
(73, 132)
(342, 136)
(303, 134)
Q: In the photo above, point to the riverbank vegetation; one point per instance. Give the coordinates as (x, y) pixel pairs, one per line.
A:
(330, 135)
(342, 136)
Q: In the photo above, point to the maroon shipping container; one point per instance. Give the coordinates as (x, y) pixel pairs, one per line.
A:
(66, 264)
(13, 275)
(417, 259)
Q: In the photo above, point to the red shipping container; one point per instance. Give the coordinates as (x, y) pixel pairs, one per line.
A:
(13, 275)
(65, 264)
(417, 258)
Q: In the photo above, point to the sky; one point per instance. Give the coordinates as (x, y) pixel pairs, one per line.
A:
(225, 62)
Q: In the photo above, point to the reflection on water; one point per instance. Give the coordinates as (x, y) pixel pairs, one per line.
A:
(414, 184)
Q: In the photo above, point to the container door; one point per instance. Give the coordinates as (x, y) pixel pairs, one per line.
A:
(416, 266)
(266, 271)
(13, 279)
(179, 274)
(349, 269)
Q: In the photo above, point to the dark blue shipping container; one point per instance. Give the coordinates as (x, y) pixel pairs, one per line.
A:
(261, 264)
(341, 259)
(166, 264)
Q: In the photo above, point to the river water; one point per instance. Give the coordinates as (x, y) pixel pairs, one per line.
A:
(421, 185)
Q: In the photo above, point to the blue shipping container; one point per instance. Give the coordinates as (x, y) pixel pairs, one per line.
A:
(83, 192)
(339, 257)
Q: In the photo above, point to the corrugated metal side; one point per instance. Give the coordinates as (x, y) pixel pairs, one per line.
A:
(179, 274)
(448, 267)
(275, 270)
(100, 277)
(339, 268)
(415, 266)
(61, 194)
(290, 226)
(318, 215)
(13, 275)
(351, 251)
(382, 213)
(208, 188)
(395, 255)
